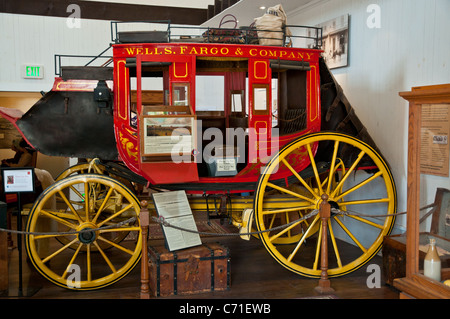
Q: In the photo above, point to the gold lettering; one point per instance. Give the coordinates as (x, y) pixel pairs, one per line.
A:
(156, 51)
(263, 53)
(182, 49)
(309, 55)
(253, 52)
(292, 55)
(203, 50)
(130, 51)
(300, 55)
(214, 50)
(224, 51)
(283, 53)
(239, 51)
(193, 51)
(273, 53)
(168, 50)
(139, 51)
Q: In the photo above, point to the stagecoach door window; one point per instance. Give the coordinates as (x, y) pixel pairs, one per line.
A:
(237, 103)
(260, 98)
(180, 94)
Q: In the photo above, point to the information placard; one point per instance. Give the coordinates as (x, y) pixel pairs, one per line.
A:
(18, 180)
(174, 208)
(434, 152)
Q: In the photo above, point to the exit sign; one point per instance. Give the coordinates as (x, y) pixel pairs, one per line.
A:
(32, 71)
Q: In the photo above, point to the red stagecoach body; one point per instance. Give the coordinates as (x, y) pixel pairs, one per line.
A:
(181, 70)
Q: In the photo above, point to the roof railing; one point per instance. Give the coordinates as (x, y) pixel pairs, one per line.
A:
(160, 31)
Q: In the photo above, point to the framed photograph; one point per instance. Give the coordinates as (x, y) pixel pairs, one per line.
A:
(168, 135)
(335, 39)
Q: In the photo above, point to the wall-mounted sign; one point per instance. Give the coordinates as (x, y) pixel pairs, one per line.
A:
(31, 71)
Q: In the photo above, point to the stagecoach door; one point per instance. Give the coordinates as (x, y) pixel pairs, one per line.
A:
(167, 131)
(260, 115)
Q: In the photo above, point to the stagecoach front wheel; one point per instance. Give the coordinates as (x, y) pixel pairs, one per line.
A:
(361, 192)
(98, 217)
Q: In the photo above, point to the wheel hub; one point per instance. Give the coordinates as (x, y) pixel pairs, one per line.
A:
(88, 236)
(333, 205)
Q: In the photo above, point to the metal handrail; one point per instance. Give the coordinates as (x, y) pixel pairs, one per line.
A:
(204, 33)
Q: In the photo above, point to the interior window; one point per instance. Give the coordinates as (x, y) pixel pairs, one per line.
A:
(209, 93)
(152, 94)
(291, 110)
(180, 94)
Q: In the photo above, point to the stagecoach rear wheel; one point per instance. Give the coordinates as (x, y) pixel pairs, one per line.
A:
(360, 189)
(93, 216)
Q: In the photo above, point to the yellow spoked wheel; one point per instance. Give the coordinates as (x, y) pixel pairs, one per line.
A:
(363, 203)
(98, 210)
(82, 168)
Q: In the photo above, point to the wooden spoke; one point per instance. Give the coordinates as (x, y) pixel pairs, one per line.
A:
(347, 231)
(58, 219)
(313, 164)
(58, 251)
(356, 187)
(128, 251)
(287, 191)
(302, 181)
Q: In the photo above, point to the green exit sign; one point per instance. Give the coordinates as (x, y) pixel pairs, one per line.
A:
(32, 71)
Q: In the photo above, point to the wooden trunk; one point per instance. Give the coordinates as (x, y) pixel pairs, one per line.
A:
(198, 269)
(394, 255)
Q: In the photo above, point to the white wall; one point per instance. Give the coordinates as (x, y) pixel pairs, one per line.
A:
(411, 48)
(36, 39)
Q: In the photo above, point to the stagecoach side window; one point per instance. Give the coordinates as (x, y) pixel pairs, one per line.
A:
(152, 94)
(261, 98)
(292, 98)
(210, 93)
(274, 102)
(180, 94)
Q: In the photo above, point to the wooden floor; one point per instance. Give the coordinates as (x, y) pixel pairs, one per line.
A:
(254, 275)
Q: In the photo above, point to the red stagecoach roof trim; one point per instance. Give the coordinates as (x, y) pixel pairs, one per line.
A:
(216, 50)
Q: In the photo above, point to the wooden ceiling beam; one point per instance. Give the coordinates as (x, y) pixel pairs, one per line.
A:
(106, 11)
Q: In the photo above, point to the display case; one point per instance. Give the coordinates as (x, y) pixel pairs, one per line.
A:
(415, 284)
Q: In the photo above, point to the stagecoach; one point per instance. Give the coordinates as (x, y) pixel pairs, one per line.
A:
(234, 123)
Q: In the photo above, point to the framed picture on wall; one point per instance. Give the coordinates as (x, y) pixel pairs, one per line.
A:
(335, 41)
